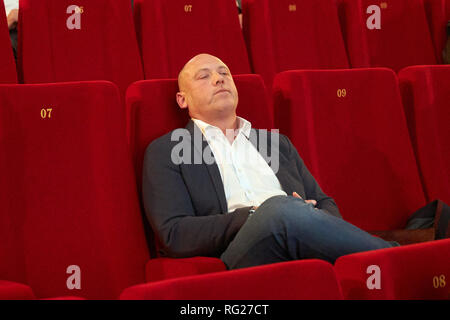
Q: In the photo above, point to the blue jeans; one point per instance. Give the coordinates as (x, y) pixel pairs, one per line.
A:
(287, 228)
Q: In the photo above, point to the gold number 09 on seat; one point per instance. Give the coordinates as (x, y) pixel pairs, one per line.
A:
(341, 93)
(46, 113)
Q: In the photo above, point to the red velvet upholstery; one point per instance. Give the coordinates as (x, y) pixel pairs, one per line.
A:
(7, 64)
(350, 129)
(104, 48)
(67, 191)
(172, 32)
(152, 111)
(438, 13)
(168, 268)
(292, 34)
(15, 291)
(307, 279)
(419, 271)
(402, 40)
(426, 97)
(18, 291)
(65, 298)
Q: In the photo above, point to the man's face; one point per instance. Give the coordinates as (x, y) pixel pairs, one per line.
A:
(207, 89)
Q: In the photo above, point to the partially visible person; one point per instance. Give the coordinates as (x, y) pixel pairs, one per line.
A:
(446, 52)
(12, 16)
(239, 7)
(12, 12)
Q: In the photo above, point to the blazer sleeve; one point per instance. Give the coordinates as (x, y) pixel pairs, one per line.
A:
(312, 188)
(168, 206)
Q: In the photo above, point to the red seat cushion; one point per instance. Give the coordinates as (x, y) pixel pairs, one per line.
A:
(419, 271)
(15, 291)
(168, 268)
(307, 279)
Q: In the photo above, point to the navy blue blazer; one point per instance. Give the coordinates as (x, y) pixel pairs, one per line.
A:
(186, 205)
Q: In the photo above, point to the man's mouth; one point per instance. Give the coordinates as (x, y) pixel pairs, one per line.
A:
(222, 91)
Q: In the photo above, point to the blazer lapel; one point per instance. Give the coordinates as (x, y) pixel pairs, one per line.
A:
(213, 169)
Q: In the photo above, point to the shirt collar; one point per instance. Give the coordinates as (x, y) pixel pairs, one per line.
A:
(244, 126)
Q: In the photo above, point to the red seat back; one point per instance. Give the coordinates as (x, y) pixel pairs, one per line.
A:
(62, 42)
(393, 33)
(67, 191)
(172, 32)
(292, 34)
(426, 97)
(349, 127)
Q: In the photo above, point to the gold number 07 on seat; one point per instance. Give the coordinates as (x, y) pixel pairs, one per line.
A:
(46, 113)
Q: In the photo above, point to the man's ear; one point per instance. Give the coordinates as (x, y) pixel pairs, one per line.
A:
(181, 100)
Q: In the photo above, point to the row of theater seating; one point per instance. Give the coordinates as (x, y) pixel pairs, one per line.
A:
(69, 191)
(377, 274)
(60, 41)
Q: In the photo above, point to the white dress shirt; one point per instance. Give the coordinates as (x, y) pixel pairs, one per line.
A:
(247, 178)
(11, 5)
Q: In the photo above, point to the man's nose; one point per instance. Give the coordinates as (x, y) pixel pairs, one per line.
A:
(218, 78)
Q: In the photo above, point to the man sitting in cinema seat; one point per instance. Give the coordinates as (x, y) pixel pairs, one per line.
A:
(209, 191)
(12, 16)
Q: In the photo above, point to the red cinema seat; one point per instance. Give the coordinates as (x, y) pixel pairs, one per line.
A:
(438, 13)
(7, 64)
(292, 34)
(350, 129)
(418, 271)
(426, 97)
(70, 223)
(172, 32)
(152, 111)
(293, 280)
(391, 33)
(60, 41)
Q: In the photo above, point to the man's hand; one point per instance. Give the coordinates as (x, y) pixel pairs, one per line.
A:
(296, 195)
(13, 18)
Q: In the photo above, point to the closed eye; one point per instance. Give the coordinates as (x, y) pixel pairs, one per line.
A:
(203, 76)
